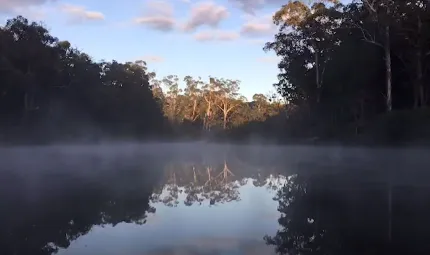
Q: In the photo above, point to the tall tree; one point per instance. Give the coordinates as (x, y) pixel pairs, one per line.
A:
(209, 95)
(227, 93)
(193, 94)
(172, 96)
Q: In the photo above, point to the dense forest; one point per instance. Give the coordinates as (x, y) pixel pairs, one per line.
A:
(345, 71)
(51, 91)
(354, 69)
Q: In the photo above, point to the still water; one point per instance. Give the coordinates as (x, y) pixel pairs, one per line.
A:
(213, 199)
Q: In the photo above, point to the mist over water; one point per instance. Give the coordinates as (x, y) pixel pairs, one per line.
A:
(200, 198)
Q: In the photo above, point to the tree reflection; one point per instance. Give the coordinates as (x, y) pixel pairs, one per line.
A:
(54, 207)
(197, 183)
(347, 213)
(210, 182)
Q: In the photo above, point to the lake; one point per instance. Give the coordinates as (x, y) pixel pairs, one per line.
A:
(198, 198)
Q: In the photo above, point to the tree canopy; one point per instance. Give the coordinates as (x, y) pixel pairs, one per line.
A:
(345, 71)
(52, 91)
(344, 65)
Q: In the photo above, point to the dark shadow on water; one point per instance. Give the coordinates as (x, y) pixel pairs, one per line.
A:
(350, 211)
(45, 211)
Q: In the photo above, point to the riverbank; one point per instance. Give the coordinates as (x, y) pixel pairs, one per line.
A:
(397, 129)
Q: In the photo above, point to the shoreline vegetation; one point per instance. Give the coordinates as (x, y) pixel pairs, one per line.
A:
(337, 85)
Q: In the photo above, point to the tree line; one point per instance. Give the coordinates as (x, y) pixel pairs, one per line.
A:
(345, 71)
(343, 66)
(50, 90)
(212, 104)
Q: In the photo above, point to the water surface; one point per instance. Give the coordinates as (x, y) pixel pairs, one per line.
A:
(213, 199)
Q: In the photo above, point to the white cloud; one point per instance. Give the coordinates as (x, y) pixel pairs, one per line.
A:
(258, 27)
(204, 36)
(216, 35)
(206, 14)
(227, 36)
(158, 15)
(78, 14)
(11, 6)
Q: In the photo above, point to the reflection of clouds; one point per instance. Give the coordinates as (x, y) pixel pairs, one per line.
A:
(179, 230)
(216, 246)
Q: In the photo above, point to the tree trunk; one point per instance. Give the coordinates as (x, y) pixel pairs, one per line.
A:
(419, 82)
(25, 110)
(387, 50)
(208, 112)
(420, 87)
(317, 70)
(194, 110)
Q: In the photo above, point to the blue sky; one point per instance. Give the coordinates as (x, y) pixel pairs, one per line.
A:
(222, 38)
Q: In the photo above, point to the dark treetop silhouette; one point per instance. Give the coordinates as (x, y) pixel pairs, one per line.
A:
(359, 70)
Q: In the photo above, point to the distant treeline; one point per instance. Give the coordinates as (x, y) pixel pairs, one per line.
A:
(50, 91)
(212, 105)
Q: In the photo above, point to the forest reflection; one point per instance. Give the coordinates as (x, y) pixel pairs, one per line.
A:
(352, 211)
(44, 207)
(48, 201)
(336, 205)
(191, 183)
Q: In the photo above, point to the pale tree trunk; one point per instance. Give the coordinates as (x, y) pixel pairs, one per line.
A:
(193, 117)
(225, 172)
(172, 114)
(208, 112)
(370, 4)
(317, 71)
(225, 110)
(209, 181)
(387, 50)
(195, 176)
